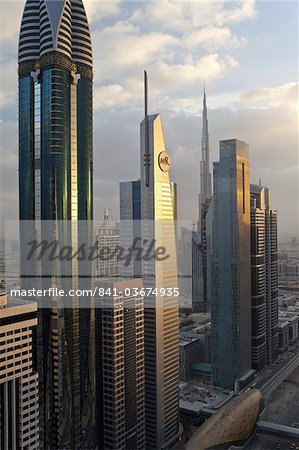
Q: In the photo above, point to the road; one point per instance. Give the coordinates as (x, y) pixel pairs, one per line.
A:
(272, 384)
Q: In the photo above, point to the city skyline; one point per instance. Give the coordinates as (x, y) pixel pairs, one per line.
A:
(118, 349)
(250, 101)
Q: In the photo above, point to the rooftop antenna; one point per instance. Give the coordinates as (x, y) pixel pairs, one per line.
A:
(260, 181)
(146, 151)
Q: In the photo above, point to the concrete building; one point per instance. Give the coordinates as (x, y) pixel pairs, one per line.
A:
(292, 319)
(189, 354)
(119, 325)
(264, 278)
(231, 274)
(283, 334)
(19, 405)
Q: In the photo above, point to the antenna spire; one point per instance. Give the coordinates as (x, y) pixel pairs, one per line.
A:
(146, 147)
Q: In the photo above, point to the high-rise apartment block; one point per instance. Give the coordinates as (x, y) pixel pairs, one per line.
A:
(120, 364)
(19, 405)
(264, 278)
(231, 267)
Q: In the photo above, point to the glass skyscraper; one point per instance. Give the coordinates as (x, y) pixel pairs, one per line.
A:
(231, 267)
(55, 184)
(161, 314)
(264, 278)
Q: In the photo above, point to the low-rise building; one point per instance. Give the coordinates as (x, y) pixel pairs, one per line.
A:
(189, 354)
(283, 334)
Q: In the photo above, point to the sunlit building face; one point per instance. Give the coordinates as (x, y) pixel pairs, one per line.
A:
(161, 323)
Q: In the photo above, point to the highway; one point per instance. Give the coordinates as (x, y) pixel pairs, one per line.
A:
(272, 384)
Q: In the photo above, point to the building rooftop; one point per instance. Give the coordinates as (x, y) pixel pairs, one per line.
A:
(12, 307)
(194, 397)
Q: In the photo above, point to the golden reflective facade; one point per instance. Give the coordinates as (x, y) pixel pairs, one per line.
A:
(161, 313)
(232, 423)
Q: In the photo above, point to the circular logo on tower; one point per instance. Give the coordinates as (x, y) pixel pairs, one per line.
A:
(164, 161)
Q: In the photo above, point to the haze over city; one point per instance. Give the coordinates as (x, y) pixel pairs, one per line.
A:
(246, 51)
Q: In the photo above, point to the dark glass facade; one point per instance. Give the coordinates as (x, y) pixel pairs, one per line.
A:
(264, 278)
(55, 184)
(231, 277)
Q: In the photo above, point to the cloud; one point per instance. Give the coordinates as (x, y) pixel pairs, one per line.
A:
(10, 19)
(110, 96)
(213, 38)
(238, 12)
(175, 76)
(97, 9)
(179, 43)
(285, 95)
(182, 16)
(8, 85)
(126, 48)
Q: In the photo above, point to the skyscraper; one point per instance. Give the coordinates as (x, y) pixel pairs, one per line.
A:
(120, 364)
(231, 277)
(264, 278)
(130, 220)
(161, 321)
(197, 272)
(19, 407)
(55, 184)
(130, 223)
(205, 175)
(107, 236)
(200, 297)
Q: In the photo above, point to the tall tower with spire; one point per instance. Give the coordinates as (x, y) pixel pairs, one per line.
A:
(161, 314)
(55, 184)
(205, 175)
(200, 274)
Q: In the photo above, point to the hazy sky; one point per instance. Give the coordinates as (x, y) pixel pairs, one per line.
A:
(248, 53)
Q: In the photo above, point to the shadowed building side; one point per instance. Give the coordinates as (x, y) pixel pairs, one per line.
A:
(231, 270)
